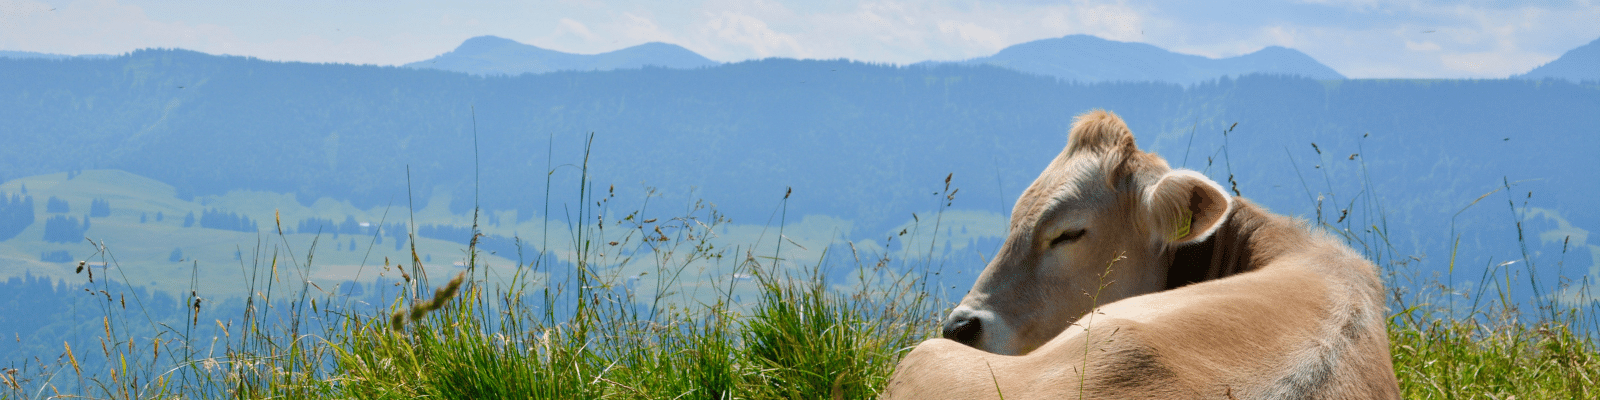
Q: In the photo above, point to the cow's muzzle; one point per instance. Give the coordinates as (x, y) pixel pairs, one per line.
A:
(963, 327)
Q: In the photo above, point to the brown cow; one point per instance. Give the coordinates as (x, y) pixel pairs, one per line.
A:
(1122, 278)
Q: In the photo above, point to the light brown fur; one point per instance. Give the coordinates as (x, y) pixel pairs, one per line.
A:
(1172, 290)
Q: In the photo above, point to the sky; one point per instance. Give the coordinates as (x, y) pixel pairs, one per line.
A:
(1358, 38)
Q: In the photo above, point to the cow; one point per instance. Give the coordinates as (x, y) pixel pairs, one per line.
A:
(1123, 278)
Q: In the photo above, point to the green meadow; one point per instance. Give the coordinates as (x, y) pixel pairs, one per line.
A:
(149, 244)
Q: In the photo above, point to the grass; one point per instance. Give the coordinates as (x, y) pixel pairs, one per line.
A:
(1455, 358)
(1453, 343)
(595, 333)
(1475, 342)
(592, 333)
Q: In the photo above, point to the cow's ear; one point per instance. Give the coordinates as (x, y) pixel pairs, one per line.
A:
(1186, 207)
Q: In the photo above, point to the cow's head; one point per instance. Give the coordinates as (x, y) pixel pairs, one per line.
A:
(1099, 225)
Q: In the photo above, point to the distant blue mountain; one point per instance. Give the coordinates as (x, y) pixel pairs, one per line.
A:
(1085, 58)
(491, 55)
(48, 56)
(1577, 65)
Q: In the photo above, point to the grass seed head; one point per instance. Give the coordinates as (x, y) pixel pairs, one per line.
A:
(397, 321)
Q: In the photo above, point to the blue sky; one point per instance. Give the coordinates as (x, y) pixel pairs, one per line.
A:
(1359, 38)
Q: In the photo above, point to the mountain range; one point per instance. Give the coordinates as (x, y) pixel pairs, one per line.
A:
(1578, 65)
(1085, 58)
(1079, 58)
(490, 55)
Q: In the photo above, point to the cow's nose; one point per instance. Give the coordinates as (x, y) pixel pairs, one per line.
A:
(963, 328)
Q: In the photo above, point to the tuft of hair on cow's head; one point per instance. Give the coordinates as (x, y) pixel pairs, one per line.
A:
(1099, 131)
(1098, 225)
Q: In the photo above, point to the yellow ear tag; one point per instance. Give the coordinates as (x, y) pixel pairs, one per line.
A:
(1185, 222)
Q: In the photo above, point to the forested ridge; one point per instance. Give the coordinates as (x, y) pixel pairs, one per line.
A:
(863, 142)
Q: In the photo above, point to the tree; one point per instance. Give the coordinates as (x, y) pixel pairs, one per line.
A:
(216, 219)
(56, 205)
(100, 208)
(63, 229)
(16, 214)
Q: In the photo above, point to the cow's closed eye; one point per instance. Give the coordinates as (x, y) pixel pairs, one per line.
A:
(1068, 237)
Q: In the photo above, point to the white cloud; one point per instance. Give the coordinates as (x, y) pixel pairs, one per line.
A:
(13, 11)
(566, 26)
(1279, 35)
(98, 27)
(1115, 22)
(1396, 39)
(643, 29)
(907, 32)
(1423, 46)
(752, 35)
(112, 27)
(449, 20)
(1359, 5)
(972, 33)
